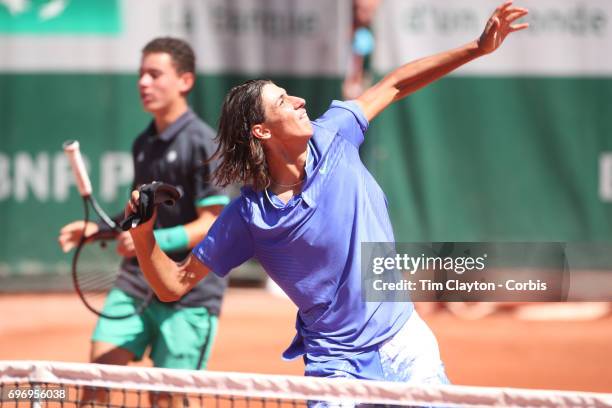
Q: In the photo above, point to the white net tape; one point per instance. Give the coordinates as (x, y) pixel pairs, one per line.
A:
(289, 387)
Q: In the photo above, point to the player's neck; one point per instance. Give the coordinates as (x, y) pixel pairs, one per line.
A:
(287, 167)
(168, 116)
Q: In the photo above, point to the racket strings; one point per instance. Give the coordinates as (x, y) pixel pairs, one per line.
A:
(95, 268)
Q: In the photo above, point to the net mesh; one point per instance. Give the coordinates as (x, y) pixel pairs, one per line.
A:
(53, 384)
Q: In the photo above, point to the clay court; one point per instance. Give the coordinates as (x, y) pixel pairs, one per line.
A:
(256, 326)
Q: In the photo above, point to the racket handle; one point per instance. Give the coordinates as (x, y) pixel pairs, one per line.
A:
(73, 151)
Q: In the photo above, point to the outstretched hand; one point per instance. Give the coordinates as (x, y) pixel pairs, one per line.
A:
(500, 24)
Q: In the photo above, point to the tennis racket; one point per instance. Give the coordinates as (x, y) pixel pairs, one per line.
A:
(95, 264)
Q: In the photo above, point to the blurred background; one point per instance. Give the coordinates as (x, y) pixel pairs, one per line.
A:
(516, 146)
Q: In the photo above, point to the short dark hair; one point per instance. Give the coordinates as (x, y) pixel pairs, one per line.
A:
(241, 155)
(180, 51)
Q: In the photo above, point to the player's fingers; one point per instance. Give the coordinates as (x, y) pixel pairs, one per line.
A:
(128, 247)
(511, 17)
(511, 10)
(64, 244)
(67, 248)
(67, 239)
(517, 27)
(504, 6)
(134, 200)
(131, 205)
(125, 239)
(122, 243)
(73, 226)
(67, 242)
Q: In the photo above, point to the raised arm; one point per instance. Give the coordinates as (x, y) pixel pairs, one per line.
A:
(169, 280)
(413, 76)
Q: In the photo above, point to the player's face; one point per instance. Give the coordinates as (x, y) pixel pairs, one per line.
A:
(160, 85)
(286, 115)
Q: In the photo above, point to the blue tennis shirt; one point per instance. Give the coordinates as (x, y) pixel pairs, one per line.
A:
(311, 246)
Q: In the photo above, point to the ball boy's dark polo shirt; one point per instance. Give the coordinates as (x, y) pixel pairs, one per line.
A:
(178, 156)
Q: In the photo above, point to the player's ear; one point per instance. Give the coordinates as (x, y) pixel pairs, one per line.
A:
(186, 82)
(260, 131)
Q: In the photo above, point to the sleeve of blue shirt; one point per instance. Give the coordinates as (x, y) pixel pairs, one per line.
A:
(228, 242)
(347, 120)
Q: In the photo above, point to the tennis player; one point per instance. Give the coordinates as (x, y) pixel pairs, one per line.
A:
(306, 206)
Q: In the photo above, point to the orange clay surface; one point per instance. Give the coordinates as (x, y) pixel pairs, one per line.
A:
(256, 326)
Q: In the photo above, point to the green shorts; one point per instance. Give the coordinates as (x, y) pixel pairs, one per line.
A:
(179, 338)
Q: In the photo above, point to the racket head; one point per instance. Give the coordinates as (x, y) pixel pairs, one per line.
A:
(95, 267)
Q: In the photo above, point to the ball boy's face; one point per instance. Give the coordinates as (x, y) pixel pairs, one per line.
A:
(159, 84)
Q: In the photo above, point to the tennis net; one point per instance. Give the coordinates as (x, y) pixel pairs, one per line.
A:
(55, 384)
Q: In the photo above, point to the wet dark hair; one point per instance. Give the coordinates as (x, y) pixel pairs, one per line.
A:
(181, 52)
(241, 155)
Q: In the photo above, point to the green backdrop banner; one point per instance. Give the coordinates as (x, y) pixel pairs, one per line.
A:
(497, 159)
(516, 146)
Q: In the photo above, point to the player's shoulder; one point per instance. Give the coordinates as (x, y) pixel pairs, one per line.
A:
(240, 207)
(343, 118)
(342, 114)
(250, 203)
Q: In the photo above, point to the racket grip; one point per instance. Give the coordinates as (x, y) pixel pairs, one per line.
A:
(73, 152)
